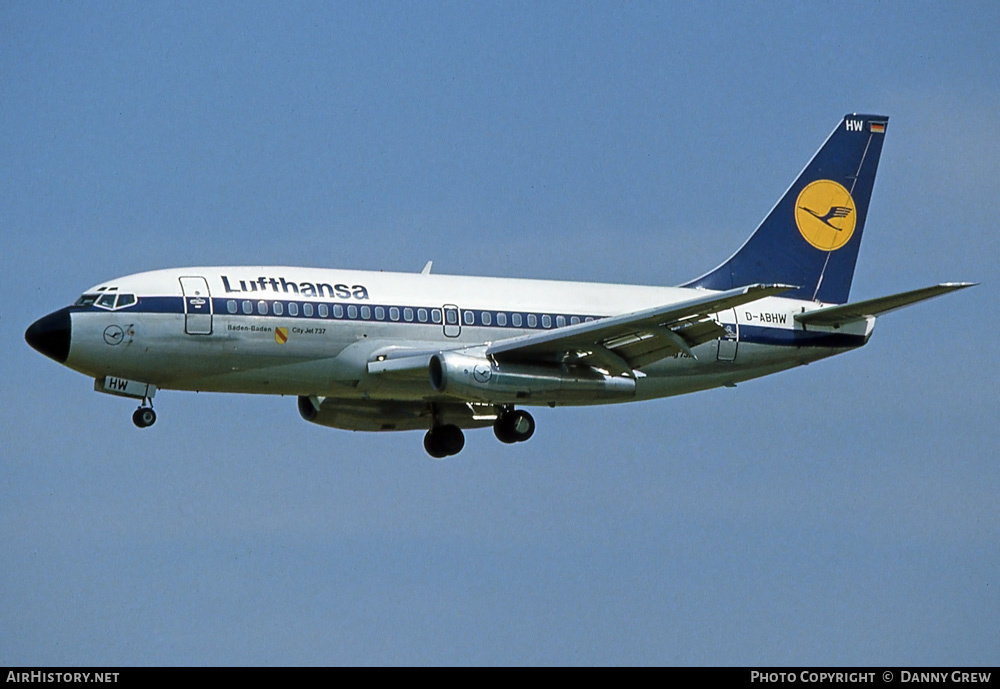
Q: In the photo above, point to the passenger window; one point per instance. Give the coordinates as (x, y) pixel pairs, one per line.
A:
(262, 308)
(394, 313)
(352, 311)
(338, 310)
(293, 309)
(436, 315)
(501, 318)
(451, 317)
(422, 315)
(232, 306)
(324, 310)
(515, 318)
(247, 307)
(366, 313)
(532, 320)
(307, 310)
(278, 308)
(589, 319)
(487, 319)
(469, 317)
(408, 314)
(546, 321)
(574, 320)
(560, 321)
(379, 313)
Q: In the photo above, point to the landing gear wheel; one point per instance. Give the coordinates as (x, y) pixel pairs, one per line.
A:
(433, 446)
(514, 426)
(452, 438)
(444, 441)
(144, 417)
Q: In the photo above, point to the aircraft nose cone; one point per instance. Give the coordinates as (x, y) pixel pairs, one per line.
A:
(50, 335)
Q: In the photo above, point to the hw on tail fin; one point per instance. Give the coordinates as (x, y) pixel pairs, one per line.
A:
(812, 235)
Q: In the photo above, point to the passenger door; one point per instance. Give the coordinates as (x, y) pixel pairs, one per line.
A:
(197, 306)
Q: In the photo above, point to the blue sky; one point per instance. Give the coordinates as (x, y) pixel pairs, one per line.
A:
(843, 513)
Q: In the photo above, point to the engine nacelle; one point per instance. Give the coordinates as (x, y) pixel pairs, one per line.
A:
(307, 409)
(478, 378)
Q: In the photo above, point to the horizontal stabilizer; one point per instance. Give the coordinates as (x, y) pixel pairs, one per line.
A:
(838, 315)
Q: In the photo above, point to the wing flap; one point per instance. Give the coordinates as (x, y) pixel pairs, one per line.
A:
(602, 358)
(645, 347)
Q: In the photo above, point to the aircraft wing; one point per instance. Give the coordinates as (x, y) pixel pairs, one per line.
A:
(835, 316)
(619, 344)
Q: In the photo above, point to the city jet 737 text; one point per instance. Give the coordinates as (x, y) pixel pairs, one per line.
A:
(375, 351)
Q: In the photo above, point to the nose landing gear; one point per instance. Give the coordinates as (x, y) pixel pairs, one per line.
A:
(144, 417)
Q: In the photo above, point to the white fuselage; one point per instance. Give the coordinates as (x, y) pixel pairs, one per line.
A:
(313, 332)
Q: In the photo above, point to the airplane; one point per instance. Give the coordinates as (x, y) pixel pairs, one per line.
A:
(381, 351)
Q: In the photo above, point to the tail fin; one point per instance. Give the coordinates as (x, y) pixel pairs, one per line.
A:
(812, 235)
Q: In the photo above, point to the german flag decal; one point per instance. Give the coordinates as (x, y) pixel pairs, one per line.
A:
(281, 335)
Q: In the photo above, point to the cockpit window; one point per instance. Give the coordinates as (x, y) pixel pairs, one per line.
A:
(108, 300)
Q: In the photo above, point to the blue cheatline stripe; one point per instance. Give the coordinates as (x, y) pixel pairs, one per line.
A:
(364, 312)
(781, 337)
(175, 305)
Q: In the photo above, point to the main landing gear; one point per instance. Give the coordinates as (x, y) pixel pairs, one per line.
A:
(144, 416)
(444, 441)
(512, 426)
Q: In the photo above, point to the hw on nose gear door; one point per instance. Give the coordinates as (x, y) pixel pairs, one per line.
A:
(197, 306)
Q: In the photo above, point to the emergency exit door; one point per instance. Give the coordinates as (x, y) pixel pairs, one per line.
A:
(452, 321)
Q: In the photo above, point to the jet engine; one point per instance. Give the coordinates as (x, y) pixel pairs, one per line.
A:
(478, 378)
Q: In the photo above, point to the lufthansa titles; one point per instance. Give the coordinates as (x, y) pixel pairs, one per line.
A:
(305, 289)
